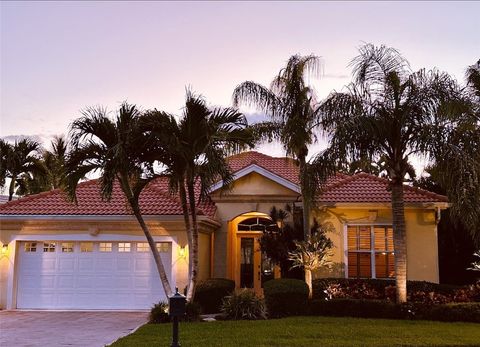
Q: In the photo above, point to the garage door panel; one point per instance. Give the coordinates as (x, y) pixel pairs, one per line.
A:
(89, 279)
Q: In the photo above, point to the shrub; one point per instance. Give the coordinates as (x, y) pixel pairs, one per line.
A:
(465, 312)
(243, 304)
(192, 312)
(210, 293)
(355, 308)
(378, 289)
(159, 313)
(285, 296)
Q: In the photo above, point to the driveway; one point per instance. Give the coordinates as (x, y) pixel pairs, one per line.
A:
(48, 328)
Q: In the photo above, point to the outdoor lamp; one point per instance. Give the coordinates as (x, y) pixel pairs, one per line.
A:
(182, 252)
(4, 248)
(177, 308)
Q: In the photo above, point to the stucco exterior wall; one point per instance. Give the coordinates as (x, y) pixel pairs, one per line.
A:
(422, 245)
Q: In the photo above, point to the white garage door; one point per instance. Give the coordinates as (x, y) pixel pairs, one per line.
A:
(90, 275)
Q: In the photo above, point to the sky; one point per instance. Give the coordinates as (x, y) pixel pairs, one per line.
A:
(56, 58)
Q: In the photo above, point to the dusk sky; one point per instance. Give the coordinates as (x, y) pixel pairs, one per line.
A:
(59, 57)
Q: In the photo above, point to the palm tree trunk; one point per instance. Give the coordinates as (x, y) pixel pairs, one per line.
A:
(194, 250)
(305, 199)
(308, 280)
(188, 228)
(399, 242)
(156, 255)
(11, 188)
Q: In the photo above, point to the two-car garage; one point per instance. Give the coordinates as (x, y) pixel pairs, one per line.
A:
(89, 275)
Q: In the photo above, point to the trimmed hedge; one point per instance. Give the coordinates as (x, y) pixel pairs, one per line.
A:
(285, 296)
(465, 312)
(355, 308)
(210, 293)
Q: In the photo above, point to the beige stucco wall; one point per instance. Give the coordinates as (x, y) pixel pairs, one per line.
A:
(251, 193)
(422, 246)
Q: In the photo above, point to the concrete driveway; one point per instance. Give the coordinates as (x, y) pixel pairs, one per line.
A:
(49, 328)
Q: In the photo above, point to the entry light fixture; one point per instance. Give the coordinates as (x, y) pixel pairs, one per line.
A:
(4, 248)
(182, 252)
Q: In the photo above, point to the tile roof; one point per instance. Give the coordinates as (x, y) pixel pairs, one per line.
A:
(154, 200)
(284, 167)
(366, 188)
(361, 187)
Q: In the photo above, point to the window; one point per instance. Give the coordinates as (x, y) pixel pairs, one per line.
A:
(124, 247)
(142, 247)
(67, 247)
(48, 247)
(86, 247)
(105, 247)
(30, 246)
(163, 247)
(370, 252)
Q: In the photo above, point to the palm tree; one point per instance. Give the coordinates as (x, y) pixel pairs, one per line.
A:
(53, 174)
(197, 146)
(391, 113)
(118, 150)
(18, 161)
(289, 103)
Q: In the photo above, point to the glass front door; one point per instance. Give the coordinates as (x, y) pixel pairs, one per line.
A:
(247, 262)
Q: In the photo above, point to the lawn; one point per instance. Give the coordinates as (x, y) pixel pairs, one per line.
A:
(309, 331)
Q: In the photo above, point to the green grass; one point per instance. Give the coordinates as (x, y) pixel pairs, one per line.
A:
(309, 331)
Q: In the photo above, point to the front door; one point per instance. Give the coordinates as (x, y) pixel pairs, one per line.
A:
(254, 268)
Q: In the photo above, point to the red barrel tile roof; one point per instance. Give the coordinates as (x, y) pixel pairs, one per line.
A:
(156, 200)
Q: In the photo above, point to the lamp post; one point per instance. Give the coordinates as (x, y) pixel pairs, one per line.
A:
(176, 304)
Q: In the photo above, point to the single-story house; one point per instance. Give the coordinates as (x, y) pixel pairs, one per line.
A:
(93, 255)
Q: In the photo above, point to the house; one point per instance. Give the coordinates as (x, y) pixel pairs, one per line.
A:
(58, 255)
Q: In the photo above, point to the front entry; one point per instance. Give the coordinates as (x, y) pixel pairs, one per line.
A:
(253, 268)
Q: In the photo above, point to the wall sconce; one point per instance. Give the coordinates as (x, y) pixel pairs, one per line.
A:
(182, 252)
(4, 248)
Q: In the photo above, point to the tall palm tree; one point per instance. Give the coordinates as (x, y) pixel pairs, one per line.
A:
(118, 150)
(18, 161)
(290, 104)
(198, 145)
(391, 113)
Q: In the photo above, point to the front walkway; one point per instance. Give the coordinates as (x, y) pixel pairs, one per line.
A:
(49, 328)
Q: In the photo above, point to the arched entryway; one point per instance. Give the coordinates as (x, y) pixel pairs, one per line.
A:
(251, 267)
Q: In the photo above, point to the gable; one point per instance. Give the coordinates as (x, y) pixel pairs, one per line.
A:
(254, 183)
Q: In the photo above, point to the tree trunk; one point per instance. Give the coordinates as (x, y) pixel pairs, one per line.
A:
(194, 250)
(156, 255)
(11, 188)
(305, 200)
(399, 242)
(188, 228)
(308, 280)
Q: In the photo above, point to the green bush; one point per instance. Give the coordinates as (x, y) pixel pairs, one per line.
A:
(285, 296)
(243, 304)
(192, 312)
(159, 313)
(355, 308)
(464, 312)
(210, 293)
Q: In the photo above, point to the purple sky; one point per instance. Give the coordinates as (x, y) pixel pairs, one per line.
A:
(59, 57)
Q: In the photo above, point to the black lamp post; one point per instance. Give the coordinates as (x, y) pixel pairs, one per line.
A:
(176, 304)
